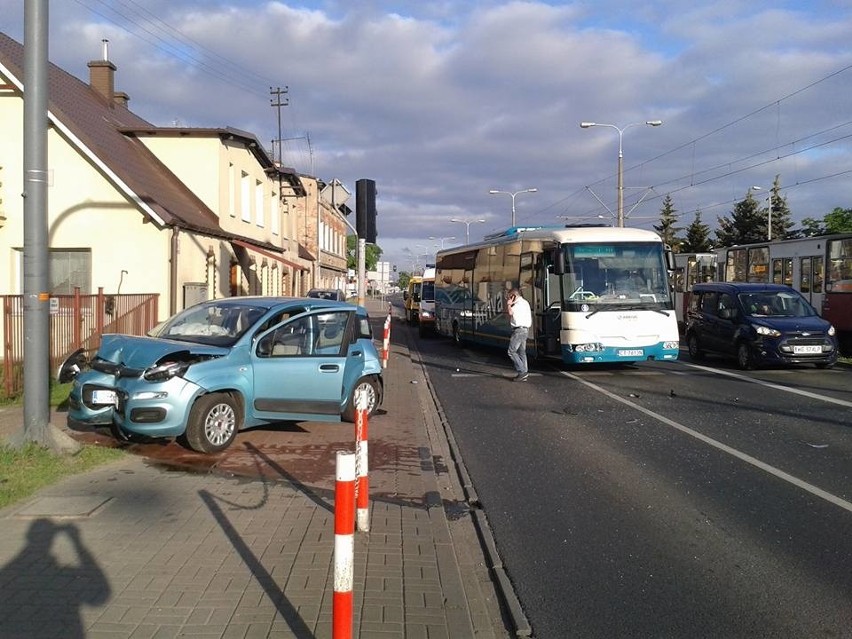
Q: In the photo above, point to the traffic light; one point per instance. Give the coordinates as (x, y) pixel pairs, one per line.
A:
(365, 210)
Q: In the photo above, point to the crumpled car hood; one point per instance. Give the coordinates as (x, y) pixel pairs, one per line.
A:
(142, 352)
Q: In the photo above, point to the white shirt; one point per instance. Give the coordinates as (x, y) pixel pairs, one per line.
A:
(520, 313)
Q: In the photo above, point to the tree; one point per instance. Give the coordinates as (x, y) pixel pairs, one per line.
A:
(839, 221)
(372, 253)
(746, 225)
(667, 229)
(402, 279)
(781, 222)
(697, 237)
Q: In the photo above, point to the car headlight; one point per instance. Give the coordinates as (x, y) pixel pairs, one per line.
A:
(164, 372)
(769, 332)
(425, 314)
(831, 331)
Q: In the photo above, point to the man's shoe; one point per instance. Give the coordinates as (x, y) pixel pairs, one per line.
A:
(521, 377)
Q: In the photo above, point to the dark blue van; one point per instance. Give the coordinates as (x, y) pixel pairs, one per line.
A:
(758, 324)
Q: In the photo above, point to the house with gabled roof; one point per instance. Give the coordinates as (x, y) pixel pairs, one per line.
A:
(186, 213)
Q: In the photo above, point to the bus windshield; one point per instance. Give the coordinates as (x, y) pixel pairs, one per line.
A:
(618, 274)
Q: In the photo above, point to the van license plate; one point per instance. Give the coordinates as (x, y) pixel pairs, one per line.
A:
(807, 350)
(105, 397)
(631, 353)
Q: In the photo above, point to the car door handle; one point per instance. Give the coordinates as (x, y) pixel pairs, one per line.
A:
(329, 368)
(356, 353)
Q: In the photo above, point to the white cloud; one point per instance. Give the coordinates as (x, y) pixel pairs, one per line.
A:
(441, 101)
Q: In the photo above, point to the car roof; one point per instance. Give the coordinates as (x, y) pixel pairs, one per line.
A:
(740, 287)
(268, 302)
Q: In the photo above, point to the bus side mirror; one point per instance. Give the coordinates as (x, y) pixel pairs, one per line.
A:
(405, 295)
(558, 262)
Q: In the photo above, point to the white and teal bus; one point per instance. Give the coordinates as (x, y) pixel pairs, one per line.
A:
(598, 294)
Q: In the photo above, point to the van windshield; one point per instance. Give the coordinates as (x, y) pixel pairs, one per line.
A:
(427, 291)
(776, 304)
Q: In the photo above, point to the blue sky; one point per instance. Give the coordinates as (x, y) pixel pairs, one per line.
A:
(440, 102)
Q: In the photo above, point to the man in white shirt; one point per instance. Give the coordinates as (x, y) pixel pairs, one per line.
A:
(520, 318)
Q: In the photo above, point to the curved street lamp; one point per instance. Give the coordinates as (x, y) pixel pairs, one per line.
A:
(513, 195)
(621, 130)
(467, 224)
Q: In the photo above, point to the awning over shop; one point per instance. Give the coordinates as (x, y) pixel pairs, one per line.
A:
(269, 254)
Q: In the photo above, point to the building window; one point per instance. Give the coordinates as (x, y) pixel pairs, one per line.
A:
(245, 196)
(275, 212)
(232, 190)
(70, 269)
(259, 209)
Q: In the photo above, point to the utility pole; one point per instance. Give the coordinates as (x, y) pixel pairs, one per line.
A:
(277, 102)
(37, 427)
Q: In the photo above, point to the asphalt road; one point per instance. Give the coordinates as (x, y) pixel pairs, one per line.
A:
(662, 499)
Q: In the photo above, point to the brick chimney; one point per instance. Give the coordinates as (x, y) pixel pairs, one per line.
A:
(102, 78)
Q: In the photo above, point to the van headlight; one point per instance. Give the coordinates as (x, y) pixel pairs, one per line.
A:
(768, 332)
(671, 346)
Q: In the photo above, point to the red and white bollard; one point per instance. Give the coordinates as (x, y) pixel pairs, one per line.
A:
(344, 546)
(362, 480)
(386, 341)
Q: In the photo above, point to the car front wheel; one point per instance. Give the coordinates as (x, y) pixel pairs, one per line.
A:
(367, 386)
(213, 423)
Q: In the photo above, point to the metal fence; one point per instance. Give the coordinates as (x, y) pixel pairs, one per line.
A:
(76, 321)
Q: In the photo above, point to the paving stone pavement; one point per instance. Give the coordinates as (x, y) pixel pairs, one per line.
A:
(138, 550)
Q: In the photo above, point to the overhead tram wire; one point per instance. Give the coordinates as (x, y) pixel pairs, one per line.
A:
(181, 51)
(174, 43)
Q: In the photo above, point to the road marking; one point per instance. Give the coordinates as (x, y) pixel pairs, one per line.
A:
(796, 391)
(776, 472)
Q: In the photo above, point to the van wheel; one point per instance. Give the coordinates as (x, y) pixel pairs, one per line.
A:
(213, 423)
(695, 351)
(744, 359)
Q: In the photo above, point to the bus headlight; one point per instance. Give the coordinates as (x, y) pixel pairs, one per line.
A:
(588, 348)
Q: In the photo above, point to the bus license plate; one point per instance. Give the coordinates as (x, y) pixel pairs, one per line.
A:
(631, 353)
(807, 350)
(105, 397)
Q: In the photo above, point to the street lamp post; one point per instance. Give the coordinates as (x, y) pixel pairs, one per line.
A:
(513, 196)
(432, 237)
(769, 209)
(467, 224)
(621, 130)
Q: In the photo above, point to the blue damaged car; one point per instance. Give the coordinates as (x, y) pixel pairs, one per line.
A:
(228, 364)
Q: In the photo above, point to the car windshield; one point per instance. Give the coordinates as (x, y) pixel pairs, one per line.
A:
(218, 325)
(776, 304)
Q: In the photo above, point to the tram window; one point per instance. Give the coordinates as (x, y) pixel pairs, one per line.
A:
(805, 275)
(818, 275)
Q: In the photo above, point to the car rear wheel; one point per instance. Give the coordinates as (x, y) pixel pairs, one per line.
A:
(368, 386)
(213, 423)
(695, 351)
(744, 358)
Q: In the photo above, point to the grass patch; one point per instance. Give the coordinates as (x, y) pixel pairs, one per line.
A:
(23, 472)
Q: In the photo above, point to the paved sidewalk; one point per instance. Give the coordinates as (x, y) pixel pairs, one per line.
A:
(137, 550)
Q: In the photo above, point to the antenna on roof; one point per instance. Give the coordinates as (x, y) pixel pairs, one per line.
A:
(105, 42)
